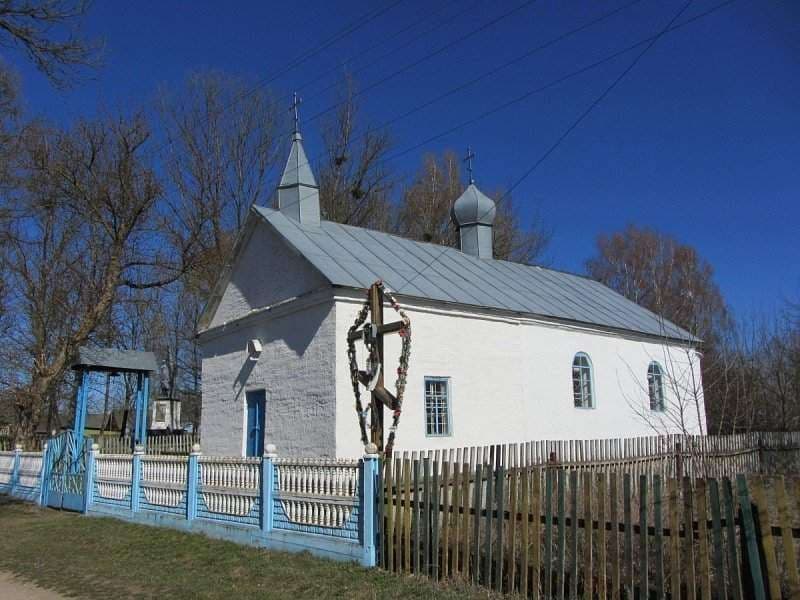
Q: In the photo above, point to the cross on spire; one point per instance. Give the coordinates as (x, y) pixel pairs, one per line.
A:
(468, 159)
(296, 101)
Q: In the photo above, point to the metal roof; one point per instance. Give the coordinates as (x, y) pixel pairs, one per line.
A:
(113, 359)
(356, 257)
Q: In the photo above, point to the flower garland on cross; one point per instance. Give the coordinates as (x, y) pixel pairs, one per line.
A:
(372, 376)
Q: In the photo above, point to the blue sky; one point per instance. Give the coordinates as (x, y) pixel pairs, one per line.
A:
(701, 140)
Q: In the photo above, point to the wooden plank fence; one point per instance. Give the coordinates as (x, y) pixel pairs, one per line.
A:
(668, 455)
(557, 532)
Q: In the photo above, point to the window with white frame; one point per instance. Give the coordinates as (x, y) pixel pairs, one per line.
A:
(582, 391)
(437, 406)
(655, 386)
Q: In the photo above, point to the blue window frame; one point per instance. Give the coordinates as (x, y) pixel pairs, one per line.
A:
(438, 421)
(582, 381)
(655, 386)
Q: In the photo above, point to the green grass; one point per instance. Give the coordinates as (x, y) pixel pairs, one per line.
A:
(91, 557)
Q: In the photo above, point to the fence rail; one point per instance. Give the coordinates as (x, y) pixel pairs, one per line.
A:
(557, 532)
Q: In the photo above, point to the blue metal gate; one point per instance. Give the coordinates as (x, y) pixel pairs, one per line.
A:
(65, 472)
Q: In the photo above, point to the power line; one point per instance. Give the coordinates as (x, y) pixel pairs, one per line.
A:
(428, 56)
(384, 40)
(548, 85)
(354, 26)
(462, 86)
(530, 93)
(572, 126)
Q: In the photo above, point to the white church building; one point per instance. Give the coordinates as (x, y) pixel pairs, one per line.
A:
(501, 352)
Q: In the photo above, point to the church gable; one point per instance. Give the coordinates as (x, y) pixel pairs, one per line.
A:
(264, 271)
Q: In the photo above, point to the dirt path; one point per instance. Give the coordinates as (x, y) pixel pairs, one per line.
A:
(12, 588)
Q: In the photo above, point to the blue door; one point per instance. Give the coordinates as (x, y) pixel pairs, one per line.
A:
(256, 405)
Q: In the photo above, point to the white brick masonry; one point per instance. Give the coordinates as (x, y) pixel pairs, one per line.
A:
(296, 369)
(511, 379)
(267, 271)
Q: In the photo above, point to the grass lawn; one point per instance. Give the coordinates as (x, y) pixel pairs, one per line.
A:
(89, 557)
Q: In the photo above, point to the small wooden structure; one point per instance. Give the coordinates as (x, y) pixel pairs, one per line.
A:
(112, 360)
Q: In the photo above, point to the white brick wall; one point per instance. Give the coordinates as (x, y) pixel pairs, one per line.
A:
(267, 271)
(512, 380)
(296, 369)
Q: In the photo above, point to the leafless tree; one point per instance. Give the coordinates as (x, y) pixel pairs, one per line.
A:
(672, 280)
(84, 226)
(424, 213)
(355, 184)
(46, 31)
(221, 147)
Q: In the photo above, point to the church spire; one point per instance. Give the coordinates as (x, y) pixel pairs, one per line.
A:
(298, 193)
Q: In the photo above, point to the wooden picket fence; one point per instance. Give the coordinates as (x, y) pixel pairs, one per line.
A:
(555, 532)
(668, 455)
(156, 444)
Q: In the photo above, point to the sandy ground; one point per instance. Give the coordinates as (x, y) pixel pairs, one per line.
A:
(12, 588)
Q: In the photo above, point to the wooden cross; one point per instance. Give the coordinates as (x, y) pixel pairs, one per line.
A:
(296, 101)
(373, 333)
(468, 159)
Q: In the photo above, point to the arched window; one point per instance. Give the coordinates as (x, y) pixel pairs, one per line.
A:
(582, 391)
(655, 386)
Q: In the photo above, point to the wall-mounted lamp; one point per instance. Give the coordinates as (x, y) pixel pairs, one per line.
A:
(253, 350)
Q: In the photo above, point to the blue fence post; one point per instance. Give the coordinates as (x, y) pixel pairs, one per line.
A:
(88, 487)
(268, 487)
(369, 481)
(191, 484)
(15, 469)
(136, 476)
(41, 499)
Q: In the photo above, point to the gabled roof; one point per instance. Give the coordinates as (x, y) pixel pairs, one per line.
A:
(355, 257)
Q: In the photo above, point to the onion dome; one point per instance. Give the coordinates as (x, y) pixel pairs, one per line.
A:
(474, 207)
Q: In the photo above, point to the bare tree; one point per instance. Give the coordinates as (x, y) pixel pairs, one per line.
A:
(45, 30)
(221, 148)
(424, 213)
(354, 182)
(672, 280)
(84, 226)
(658, 272)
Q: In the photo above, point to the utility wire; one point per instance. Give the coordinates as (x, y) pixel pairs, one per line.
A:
(426, 57)
(570, 129)
(354, 26)
(530, 93)
(551, 84)
(366, 51)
